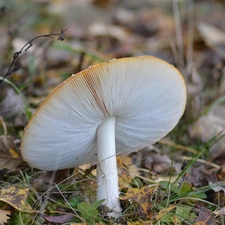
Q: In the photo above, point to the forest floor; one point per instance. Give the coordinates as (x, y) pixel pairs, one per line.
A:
(180, 179)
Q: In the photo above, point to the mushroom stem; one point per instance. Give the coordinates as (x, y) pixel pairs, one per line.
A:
(107, 177)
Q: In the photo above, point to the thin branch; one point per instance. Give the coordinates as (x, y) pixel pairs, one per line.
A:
(29, 44)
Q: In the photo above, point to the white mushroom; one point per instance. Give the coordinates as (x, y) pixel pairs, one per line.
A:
(120, 105)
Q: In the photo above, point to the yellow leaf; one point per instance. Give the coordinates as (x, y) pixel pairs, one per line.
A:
(143, 197)
(163, 212)
(13, 153)
(126, 170)
(15, 197)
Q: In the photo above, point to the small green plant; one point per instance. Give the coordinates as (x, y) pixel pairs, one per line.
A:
(88, 211)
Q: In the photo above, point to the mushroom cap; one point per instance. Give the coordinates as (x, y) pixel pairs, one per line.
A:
(146, 95)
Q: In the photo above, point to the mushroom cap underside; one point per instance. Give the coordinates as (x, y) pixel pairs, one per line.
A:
(146, 95)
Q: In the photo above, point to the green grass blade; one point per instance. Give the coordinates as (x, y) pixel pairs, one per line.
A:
(202, 150)
(27, 111)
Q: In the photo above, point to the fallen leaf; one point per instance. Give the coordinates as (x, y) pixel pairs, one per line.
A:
(59, 219)
(205, 217)
(199, 175)
(165, 211)
(15, 197)
(156, 162)
(126, 170)
(213, 123)
(220, 211)
(9, 158)
(143, 197)
(4, 216)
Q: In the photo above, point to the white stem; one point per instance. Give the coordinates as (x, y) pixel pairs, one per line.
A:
(107, 177)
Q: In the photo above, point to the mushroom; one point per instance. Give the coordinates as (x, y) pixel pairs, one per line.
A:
(115, 107)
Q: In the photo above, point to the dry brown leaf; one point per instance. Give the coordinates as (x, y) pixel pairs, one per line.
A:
(126, 170)
(205, 217)
(199, 175)
(9, 158)
(208, 126)
(156, 162)
(59, 219)
(15, 197)
(4, 216)
(143, 197)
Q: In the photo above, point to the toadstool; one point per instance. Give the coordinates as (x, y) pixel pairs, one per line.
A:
(123, 104)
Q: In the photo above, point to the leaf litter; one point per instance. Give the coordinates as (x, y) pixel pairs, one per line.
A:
(98, 31)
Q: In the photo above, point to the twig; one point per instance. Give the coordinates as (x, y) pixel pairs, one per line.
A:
(179, 37)
(178, 146)
(29, 44)
(189, 56)
(204, 162)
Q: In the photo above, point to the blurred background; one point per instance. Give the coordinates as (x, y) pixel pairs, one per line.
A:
(44, 42)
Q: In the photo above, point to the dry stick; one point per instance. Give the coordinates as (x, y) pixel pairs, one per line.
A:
(204, 162)
(190, 37)
(179, 37)
(3, 125)
(178, 146)
(61, 37)
(171, 40)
